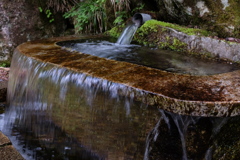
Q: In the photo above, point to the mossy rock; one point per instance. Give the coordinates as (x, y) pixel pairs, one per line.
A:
(159, 34)
(115, 31)
(190, 41)
(152, 24)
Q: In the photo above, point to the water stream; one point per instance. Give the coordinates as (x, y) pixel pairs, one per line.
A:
(127, 35)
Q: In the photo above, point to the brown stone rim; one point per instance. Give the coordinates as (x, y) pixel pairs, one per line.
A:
(216, 95)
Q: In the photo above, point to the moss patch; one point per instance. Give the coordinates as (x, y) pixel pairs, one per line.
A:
(163, 35)
(152, 26)
(4, 63)
(153, 33)
(115, 31)
(189, 31)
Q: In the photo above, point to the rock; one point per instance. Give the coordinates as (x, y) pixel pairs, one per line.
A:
(22, 21)
(7, 151)
(4, 140)
(155, 33)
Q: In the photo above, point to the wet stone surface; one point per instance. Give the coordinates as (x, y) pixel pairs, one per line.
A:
(7, 151)
(214, 95)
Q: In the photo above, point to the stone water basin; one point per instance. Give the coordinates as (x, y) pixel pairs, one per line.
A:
(206, 95)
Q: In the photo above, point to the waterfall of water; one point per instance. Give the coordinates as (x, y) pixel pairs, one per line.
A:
(102, 115)
(193, 137)
(127, 35)
(182, 123)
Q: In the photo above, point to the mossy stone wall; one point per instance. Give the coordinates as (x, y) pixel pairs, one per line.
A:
(186, 40)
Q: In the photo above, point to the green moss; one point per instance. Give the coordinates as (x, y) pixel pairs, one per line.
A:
(115, 31)
(151, 24)
(177, 45)
(5, 64)
(155, 33)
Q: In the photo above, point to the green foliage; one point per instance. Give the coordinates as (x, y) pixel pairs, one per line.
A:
(5, 64)
(122, 16)
(120, 19)
(89, 16)
(121, 9)
(56, 5)
(48, 14)
(139, 8)
(40, 9)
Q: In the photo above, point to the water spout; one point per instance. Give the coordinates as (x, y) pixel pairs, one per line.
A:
(138, 19)
(127, 34)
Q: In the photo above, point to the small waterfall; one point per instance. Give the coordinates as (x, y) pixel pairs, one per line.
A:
(182, 123)
(194, 137)
(100, 119)
(127, 35)
(102, 115)
(155, 133)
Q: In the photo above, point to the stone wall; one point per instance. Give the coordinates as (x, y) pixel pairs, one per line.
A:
(21, 21)
(7, 150)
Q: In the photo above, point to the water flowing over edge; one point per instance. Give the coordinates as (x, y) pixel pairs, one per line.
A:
(127, 35)
(31, 74)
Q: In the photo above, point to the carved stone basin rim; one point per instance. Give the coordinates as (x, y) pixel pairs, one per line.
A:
(215, 95)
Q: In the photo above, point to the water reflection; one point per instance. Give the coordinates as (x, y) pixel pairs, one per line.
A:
(102, 133)
(156, 58)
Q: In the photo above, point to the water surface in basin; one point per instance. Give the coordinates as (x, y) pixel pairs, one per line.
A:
(151, 57)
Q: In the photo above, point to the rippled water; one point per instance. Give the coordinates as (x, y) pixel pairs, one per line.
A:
(156, 58)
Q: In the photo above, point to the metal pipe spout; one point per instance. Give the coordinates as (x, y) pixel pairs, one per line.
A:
(140, 18)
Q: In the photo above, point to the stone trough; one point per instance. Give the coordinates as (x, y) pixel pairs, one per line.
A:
(214, 95)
